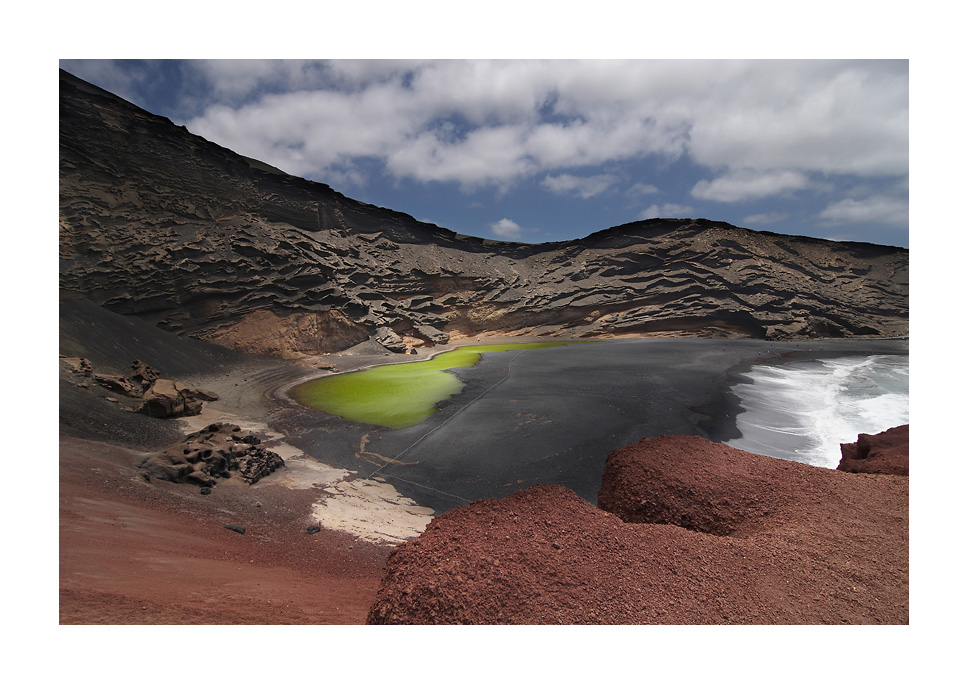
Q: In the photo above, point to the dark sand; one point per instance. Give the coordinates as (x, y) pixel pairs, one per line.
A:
(552, 415)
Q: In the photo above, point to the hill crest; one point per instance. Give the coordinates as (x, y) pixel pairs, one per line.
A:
(162, 224)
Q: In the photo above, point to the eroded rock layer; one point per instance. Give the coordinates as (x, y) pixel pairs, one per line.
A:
(162, 224)
(700, 533)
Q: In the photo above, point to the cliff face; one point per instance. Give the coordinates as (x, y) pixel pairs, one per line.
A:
(159, 223)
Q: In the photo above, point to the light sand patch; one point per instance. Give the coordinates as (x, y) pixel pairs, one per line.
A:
(373, 511)
(370, 510)
(209, 415)
(302, 472)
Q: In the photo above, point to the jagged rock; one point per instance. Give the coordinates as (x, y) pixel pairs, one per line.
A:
(885, 452)
(391, 340)
(170, 399)
(142, 375)
(432, 335)
(117, 383)
(221, 450)
(235, 527)
(79, 366)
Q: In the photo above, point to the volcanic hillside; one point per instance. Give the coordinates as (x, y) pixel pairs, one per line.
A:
(162, 224)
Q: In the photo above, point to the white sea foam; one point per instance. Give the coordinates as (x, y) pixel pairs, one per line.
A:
(804, 411)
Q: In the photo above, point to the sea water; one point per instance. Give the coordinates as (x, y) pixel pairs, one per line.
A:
(398, 395)
(803, 411)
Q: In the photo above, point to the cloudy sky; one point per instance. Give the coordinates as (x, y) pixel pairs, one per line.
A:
(550, 150)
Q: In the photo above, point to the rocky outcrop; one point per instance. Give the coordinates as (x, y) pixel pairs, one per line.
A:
(170, 399)
(431, 334)
(885, 452)
(701, 533)
(79, 366)
(118, 383)
(159, 397)
(695, 484)
(386, 337)
(143, 375)
(164, 225)
(220, 451)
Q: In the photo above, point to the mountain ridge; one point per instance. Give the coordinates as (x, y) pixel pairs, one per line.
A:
(162, 224)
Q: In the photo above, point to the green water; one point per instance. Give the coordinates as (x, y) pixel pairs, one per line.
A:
(397, 395)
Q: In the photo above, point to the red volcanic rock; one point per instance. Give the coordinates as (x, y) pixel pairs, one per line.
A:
(725, 537)
(696, 484)
(885, 452)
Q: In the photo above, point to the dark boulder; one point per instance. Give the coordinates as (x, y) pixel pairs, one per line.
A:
(220, 451)
(170, 399)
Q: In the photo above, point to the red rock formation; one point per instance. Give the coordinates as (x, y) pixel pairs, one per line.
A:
(725, 536)
(886, 452)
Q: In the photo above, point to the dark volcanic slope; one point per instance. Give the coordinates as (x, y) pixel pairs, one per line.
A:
(160, 223)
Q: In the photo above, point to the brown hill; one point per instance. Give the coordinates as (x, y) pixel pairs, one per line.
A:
(162, 224)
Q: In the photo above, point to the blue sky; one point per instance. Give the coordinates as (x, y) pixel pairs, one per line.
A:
(543, 150)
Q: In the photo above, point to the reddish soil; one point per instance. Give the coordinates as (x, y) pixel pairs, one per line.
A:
(716, 536)
(137, 552)
(886, 452)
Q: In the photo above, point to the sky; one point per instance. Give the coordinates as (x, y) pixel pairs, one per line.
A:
(535, 150)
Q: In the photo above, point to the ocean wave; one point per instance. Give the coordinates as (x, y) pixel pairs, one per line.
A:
(804, 411)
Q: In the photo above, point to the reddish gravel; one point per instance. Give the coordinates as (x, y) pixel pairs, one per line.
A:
(136, 552)
(886, 453)
(747, 539)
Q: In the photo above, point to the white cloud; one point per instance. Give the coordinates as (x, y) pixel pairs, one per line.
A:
(666, 211)
(583, 186)
(506, 229)
(769, 217)
(746, 185)
(484, 156)
(814, 115)
(494, 122)
(642, 189)
(877, 209)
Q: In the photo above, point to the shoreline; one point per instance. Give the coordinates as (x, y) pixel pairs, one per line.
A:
(705, 406)
(253, 393)
(135, 528)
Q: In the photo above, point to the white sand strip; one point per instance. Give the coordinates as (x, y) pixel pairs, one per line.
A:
(372, 511)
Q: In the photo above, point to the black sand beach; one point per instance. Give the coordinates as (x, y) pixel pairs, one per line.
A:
(553, 415)
(524, 417)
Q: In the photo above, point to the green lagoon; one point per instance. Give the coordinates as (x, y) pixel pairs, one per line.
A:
(398, 395)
